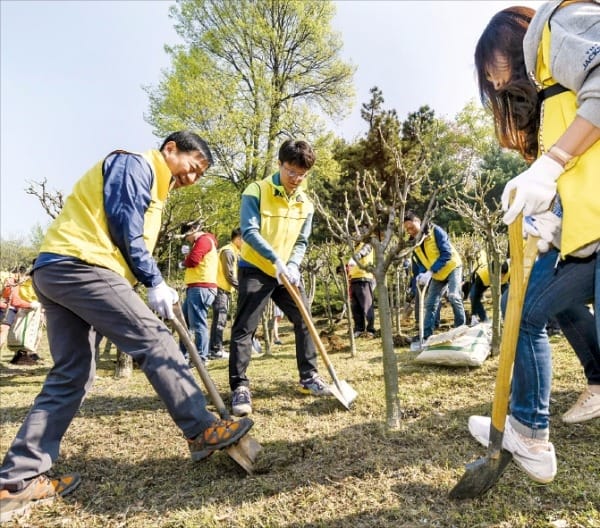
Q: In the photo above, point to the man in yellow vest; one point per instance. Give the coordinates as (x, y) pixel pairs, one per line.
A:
(444, 267)
(93, 253)
(276, 221)
(226, 282)
(200, 264)
(361, 291)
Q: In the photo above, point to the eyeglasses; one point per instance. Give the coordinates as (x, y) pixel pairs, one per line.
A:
(295, 175)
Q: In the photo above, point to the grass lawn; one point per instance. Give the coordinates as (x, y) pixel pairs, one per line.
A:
(322, 466)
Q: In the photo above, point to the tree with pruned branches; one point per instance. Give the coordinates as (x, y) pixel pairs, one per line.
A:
(375, 216)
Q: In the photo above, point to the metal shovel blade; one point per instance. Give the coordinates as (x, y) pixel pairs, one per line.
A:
(480, 476)
(245, 453)
(343, 392)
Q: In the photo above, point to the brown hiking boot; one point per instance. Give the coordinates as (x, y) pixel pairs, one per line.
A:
(40, 490)
(219, 435)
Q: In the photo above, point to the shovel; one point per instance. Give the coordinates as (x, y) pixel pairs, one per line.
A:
(340, 388)
(418, 345)
(482, 474)
(246, 450)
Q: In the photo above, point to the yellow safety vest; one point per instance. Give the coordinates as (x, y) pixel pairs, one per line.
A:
(281, 221)
(81, 228)
(206, 270)
(356, 272)
(428, 252)
(578, 186)
(26, 291)
(222, 281)
(484, 275)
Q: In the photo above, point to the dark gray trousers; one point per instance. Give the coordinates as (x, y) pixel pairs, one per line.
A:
(80, 299)
(255, 290)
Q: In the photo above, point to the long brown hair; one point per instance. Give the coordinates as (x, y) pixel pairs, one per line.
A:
(515, 106)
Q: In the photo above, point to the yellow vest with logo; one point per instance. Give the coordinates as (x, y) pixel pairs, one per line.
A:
(428, 252)
(81, 228)
(222, 281)
(356, 272)
(281, 221)
(579, 186)
(206, 270)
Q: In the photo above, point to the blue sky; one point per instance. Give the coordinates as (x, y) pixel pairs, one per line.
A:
(72, 74)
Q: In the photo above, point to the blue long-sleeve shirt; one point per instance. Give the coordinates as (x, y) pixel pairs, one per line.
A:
(128, 181)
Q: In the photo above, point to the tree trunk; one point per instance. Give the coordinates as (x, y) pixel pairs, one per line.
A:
(124, 366)
(390, 364)
(398, 300)
(494, 262)
(347, 304)
(267, 325)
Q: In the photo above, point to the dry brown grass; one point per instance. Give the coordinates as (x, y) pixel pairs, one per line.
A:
(322, 466)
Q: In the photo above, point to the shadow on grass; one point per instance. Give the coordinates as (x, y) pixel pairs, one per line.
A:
(415, 456)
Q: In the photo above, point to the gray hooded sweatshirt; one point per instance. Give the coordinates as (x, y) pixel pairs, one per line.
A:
(574, 51)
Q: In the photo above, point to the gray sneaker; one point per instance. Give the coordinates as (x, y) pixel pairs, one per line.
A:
(315, 386)
(241, 401)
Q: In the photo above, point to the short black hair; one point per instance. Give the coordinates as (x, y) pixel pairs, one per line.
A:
(188, 141)
(297, 152)
(190, 227)
(411, 216)
(237, 232)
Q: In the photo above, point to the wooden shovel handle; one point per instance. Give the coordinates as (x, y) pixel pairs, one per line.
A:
(293, 291)
(521, 262)
(181, 328)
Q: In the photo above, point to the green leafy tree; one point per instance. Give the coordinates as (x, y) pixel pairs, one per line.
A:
(15, 252)
(251, 73)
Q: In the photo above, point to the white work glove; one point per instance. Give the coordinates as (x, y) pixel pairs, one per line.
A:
(352, 262)
(535, 189)
(161, 299)
(34, 305)
(293, 274)
(545, 225)
(424, 278)
(291, 271)
(185, 249)
(181, 265)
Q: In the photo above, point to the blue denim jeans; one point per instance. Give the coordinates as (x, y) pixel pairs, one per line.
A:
(555, 286)
(434, 296)
(197, 302)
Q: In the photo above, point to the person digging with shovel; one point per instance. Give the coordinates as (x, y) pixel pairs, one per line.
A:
(443, 268)
(276, 221)
(95, 250)
(539, 74)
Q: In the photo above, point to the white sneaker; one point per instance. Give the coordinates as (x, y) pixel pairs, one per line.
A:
(479, 427)
(586, 408)
(535, 457)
